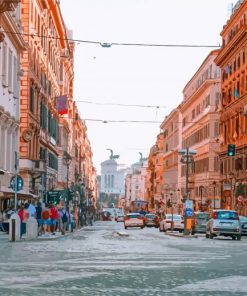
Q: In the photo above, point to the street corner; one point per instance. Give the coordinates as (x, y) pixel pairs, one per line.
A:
(177, 234)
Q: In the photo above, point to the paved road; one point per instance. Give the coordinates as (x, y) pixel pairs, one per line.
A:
(97, 261)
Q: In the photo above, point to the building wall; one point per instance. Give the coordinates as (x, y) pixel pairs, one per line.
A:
(11, 46)
(200, 131)
(232, 60)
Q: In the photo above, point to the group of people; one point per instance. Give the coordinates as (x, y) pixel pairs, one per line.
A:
(49, 218)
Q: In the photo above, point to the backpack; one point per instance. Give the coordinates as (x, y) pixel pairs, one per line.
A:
(64, 217)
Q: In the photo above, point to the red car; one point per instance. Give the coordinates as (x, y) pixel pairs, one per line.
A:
(152, 220)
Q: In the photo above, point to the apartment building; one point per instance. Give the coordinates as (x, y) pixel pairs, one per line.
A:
(232, 59)
(200, 131)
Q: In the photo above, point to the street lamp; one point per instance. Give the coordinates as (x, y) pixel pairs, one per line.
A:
(171, 195)
(214, 185)
(67, 160)
(200, 189)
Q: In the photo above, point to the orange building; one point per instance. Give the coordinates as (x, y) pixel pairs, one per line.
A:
(232, 59)
(154, 180)
(200, 132)
(171, 127)
(44, 66)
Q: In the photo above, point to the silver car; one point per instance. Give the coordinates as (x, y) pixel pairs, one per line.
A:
(224, 223)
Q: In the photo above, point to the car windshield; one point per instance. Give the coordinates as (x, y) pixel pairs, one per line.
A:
(150, 216)
(226, 215)
(175, 217)
(134, 216)
(202, 216)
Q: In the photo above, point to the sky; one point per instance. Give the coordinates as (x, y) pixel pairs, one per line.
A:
(136, 75)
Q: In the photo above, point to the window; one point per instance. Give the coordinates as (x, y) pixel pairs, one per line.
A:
(4, 65)
(31, 99)
(15, 80)
(10, 71)
(52, 161)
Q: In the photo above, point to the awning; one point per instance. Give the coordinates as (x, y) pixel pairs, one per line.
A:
(22, 194)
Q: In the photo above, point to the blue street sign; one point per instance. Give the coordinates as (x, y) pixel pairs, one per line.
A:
(19, 182)
(188, 212)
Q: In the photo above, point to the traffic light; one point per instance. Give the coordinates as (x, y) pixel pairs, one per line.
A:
(231, 150)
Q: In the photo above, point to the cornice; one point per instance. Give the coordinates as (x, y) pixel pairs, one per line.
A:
(8, 5)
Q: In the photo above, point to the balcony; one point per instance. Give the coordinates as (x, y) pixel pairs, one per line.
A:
(8, 5)
(39, 166)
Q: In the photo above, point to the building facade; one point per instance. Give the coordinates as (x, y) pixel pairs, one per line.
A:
(112, 178)
(135, 180)
(232, 59)
(200, 132)
(11, 47)
(171, 128)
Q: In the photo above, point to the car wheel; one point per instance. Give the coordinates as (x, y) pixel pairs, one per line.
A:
(160, 229)
(142, 227)
(192, 232)
(234, 237)
(211, 236)
(239, 237)
(125, 227)
(207, 235)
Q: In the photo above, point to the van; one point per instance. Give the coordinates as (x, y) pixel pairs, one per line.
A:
(199, 222)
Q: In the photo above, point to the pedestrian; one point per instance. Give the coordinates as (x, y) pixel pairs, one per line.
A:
(39, 217)
(1, 222)
(24, 215)
(10, 212)
(32, 209)
(72, 221)
(54, 218)
(64, 219)
(46, 219)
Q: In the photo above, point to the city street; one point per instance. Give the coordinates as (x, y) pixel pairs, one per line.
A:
(99, 261)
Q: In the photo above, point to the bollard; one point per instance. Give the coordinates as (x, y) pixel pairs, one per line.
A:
(14, 228)
(32, 229)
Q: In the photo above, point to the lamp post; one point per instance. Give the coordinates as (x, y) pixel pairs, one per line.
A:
(67, 160)
(201, 188)
(214, 185)
(171, 195)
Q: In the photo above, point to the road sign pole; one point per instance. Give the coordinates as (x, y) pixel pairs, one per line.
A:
(16, 168)
(186, 230)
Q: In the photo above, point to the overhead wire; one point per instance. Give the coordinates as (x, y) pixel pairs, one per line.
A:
(109, 44)
(119, 104)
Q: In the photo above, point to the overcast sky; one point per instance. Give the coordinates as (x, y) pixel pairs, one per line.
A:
(137, 74)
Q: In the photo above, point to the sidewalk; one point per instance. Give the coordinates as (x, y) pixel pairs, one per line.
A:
(178, 234)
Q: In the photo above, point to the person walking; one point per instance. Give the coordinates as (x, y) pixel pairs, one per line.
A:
(32, 209)
(1, 222)
(39, 217)
(54, 218)
(24, 215)
(64, 219)
(46, 219)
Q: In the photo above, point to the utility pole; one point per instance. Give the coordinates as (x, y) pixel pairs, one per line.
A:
(187, 158)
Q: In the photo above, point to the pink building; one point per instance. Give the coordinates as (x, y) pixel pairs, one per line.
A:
(200, 131)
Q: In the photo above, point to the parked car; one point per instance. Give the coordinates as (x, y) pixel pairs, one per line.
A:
(134, 220)
(199, 222)
(224, 223)
(152, 220)
(120, 218)
(166, 223)
(243, 223)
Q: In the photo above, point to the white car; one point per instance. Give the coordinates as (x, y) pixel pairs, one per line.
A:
(166, 223)
(120, 218)
(134, 220)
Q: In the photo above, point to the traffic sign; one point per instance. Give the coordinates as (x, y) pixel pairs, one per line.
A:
(16, 180)
(189, 204)
(188, 212)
